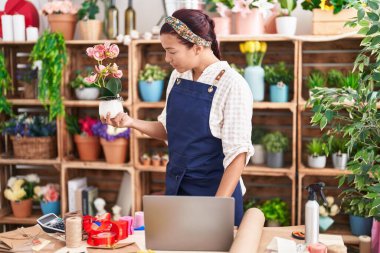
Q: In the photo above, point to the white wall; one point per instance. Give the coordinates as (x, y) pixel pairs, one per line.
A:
(148, 13)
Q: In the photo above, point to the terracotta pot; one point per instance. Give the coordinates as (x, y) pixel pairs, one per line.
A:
(222, 25)
(22, 208)
(90, 29)
(145, 162)
(164, 162)
(115, 151)
(88, 147)
(251, 23)
(156, 162)
(63, 23)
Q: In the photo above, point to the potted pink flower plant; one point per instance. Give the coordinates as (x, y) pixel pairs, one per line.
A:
(49, 198)
(107, 78)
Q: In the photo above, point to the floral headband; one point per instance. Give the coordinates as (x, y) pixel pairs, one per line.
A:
(184, 31)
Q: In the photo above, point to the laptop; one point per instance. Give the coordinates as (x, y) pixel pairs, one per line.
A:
(188, 223)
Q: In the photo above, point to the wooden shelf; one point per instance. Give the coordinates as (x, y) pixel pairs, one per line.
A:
(20, 101)
(81, 103)
(150, 168)
(322, 172)
(102, 165)
(273, 105)
(266, 171)
(29, 161)
(10, 219)
(160, 104)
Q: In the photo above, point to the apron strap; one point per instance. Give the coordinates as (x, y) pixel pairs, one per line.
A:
(216, 80)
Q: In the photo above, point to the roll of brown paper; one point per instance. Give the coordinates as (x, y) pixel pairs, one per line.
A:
(365, 244)
(73, 232)
(249, 233)
(336, 249)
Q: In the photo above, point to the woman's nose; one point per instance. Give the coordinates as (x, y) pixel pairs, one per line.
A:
(167, 58)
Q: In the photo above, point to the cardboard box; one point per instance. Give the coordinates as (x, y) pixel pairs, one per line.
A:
(328, 23)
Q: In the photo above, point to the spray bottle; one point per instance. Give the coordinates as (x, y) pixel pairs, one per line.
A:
(312, 212)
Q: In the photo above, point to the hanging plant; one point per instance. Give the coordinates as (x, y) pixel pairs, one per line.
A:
(50, 49)
(5, 87)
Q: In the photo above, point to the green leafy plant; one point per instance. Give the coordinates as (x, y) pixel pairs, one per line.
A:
(72, 124)
(335, 5)
(278, 73)
(5, 87)
(258, 135)
(88, 10)
(316, 147)
(287, 6)
(275, 142)
(50, 49)
(355, 204)
(335, 78)
(79, 82)
(276, 210)
(211, 5)
(152, 73)
(351, 81)
(359, 119)
(316, 79)
(338, 144)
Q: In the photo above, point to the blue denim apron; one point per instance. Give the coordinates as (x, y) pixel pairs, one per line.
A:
(195, 166)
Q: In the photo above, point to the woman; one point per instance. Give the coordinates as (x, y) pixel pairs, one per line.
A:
(207, 117)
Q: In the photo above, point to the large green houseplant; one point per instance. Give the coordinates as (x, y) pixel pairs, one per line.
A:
(353, 113)
(5, 87)
(50, 50)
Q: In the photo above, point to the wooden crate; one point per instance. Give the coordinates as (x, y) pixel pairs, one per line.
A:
(328, 23)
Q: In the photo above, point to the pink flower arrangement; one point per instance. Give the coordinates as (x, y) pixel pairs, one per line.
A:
(99, 53)
(59, 7)
(86, 125)
(48, 193)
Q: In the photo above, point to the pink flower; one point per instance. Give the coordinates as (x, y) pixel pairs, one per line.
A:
(99, 52)
(113, 51)
(118, 74)
(100, 68)
(114, 69)
(90, 52)
(91, 79)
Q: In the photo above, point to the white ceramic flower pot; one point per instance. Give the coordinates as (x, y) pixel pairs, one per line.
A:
(87, 93)
(340, 161)
(259, 155)
(286, 25)
(317, 162)
(110, 106)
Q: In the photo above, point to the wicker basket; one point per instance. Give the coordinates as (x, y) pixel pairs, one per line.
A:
(34, 147)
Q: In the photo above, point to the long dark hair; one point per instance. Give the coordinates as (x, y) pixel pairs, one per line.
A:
(199, 23)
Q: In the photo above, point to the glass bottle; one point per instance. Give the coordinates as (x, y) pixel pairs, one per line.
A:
(112, 21)
(130, 19)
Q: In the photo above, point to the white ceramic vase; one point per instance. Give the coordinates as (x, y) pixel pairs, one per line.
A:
(110, 106)
(286, 25)
(87, 93)
(259, 155)
(316, 162)
(340, 161)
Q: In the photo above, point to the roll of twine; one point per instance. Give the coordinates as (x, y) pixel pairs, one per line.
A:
(73, 232)
(365, 244)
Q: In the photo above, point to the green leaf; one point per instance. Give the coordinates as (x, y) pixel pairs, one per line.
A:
(114, 85)
(373, 16)
(323, 122)
(361, 14)
(373, 30)
(363, 31)
(375, 41)
(373, 5)
(342, 179)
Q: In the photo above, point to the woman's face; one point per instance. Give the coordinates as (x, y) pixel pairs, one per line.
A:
(177, 54)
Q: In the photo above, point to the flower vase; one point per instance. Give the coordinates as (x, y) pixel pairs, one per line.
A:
(375, 234)
(22, 208)
(151, 91)
(254, 75)
(279, 93)
(251, 23)
(113, 107)
(51, 207)
(222, 25)
(325, 222)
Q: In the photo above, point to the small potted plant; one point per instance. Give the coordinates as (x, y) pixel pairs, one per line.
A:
(48, 196)
(32, 136)
(111, 102)
(254, 74)
(275, 144)
(164, 159)
(351, 81)
(62, 17)
(276, 212)
(156, 160)
(20, 192)
(317, 150)
(88, 145)
(339, 152)
(90, 28)
(222, 20)
(279, 77)
(257, 141)
(326, 212)
(84, 90)
(335, 78)
(145, 159)
(114, 141)
(285, 23)
(151, 83)
(315, 80)
(358, 208)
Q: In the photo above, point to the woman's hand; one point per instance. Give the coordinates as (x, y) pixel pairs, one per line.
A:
(121, 120)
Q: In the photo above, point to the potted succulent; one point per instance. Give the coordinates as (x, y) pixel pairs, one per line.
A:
(314, 81)
(111, 102)
(88, 145)
(279, 77)
(339, 152)
(151, 83)
(326, 212)
(48, 196)
(5, 87)
(50, 49)
(165, 159)
(358, 209)
(257, 141)
(145, 159)
(90, 28)
(20, 192)
(285, 23)
(84, 90)
(32, 136)
(114, 141)
(351, 81)
(275, 144)
(317, 151)
(156, 160)
(254, 74)
(276, 212)
(223, 19)
(335, 78)
(62, 17)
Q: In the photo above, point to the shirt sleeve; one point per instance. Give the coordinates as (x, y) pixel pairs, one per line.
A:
(162, 117)
(237, 123)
